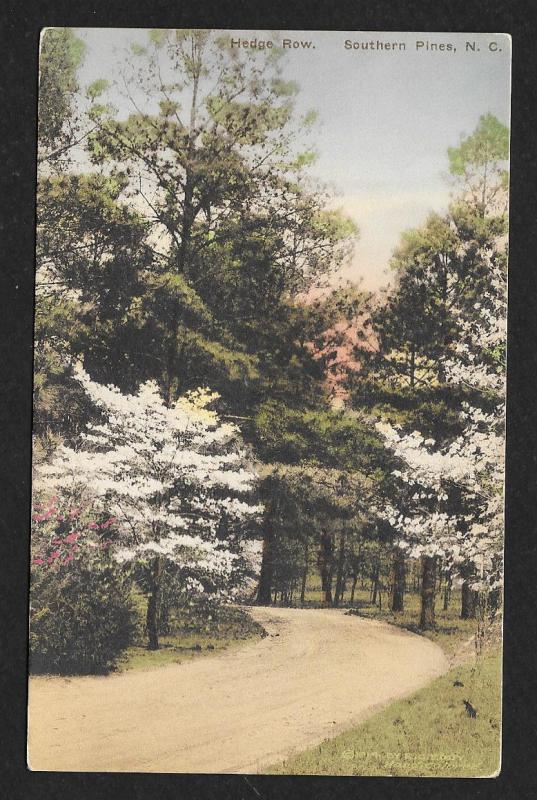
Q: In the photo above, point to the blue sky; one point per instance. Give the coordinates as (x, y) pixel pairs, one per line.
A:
(386, 119)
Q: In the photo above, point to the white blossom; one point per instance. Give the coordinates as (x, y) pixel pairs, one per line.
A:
(177, 479)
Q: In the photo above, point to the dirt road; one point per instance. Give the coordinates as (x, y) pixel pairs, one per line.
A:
(318, 673)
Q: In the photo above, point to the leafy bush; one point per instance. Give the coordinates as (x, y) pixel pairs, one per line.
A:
(82, 615)
(82, 618)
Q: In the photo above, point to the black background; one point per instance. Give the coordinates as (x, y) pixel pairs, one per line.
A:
(20, 23)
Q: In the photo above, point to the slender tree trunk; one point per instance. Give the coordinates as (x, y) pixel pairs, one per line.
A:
(264, 590)
(340, 565)
(375, 586)
(447, 591)
(327, 599)
(304, 573)
(187, 224)
(153, 603)
(325, 564)
(428, 581)
(398, 580)
(353, 588)
(468, 601)
(412, 366)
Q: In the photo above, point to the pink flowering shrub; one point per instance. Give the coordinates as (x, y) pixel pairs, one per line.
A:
(63, 531)
(82, 614)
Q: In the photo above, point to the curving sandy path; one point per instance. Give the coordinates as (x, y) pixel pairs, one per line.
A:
(317, 674)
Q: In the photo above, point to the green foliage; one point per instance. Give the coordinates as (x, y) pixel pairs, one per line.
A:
(91, 252)
(82, 617)
(442, 273)
(480, 163)
(60, 407)
(246, 237)
(415, 328)
(137, 49)
(489, 142)
(158, 35)
(61, 55)
(284, 88)
(321, 437)
(95, 89)
(434, 410)
(309, 118)
(87, 236)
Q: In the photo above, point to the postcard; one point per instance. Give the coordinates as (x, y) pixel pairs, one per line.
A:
(269, 394)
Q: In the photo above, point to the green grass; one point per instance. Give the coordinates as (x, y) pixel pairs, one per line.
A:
(427, 734)
(194, 636)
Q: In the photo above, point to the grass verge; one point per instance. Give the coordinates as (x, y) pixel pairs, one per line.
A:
(193, 637)
(429, 734)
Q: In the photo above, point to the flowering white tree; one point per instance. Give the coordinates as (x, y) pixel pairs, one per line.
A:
(177, 480)
(451, 503)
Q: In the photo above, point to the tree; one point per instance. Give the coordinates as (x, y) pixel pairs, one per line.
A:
(61, 55)
(188, 257)
(325, 468)
(92, 264)
(479, 165)
(440, 270)
(437, 367)
(441, 273)
(222, 182)
(171, 477)
(452, 505)
(80, 226)
(309, 506)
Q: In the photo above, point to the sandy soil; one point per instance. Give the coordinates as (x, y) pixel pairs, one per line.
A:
(318, 673)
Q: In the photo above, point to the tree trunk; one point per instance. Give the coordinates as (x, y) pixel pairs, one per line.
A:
(412, 366)
(264, 590)
(187, 225)
(375, 585)
(447, 591)
(327, 598)
(468, 601)
(325, 564)
(153, 603)
(428, 581)
(353, 589)
(305, 573)
(398, 580)
(340, 564)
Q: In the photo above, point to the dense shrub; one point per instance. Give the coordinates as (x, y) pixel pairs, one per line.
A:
(82, 615)
(81, 618)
